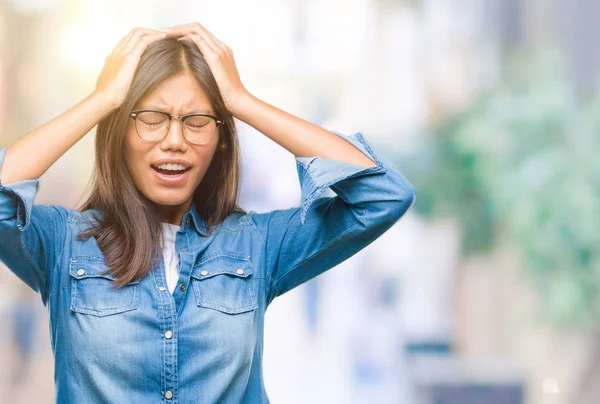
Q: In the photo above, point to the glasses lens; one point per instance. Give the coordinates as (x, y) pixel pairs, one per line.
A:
(199, 129)
(151, 126)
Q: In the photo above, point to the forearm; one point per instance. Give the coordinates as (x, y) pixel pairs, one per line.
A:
(31, 156)
(298, 136)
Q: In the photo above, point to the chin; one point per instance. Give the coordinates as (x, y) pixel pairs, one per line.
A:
(170, 200)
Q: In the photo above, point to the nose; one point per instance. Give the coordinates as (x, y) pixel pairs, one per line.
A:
(174, 139)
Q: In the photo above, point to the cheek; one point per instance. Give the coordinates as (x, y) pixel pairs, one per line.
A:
(133, 155)
(204, 157)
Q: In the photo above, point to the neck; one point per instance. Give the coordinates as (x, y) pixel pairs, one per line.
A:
(173, 213)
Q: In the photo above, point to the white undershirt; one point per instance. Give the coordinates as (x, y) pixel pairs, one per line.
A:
(170, 257)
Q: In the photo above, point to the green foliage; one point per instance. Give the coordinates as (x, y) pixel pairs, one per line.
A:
(523, 163)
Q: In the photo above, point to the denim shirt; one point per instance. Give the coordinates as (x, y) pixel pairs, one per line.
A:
(204, 343)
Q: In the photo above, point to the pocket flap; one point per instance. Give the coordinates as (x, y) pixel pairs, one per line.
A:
(223, 264)
(93, 293)
(85, 268)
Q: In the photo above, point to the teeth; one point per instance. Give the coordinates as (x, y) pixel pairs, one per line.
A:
(172, 167)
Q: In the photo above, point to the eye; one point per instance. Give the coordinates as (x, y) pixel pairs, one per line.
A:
(197, 121)
(152, 119)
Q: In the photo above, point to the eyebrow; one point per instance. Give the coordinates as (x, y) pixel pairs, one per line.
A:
(199, 111)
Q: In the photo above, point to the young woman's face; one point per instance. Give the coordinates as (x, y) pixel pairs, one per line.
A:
(179, 95)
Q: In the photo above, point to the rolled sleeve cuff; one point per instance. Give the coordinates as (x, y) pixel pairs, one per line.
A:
(16, 199)
(316, 174)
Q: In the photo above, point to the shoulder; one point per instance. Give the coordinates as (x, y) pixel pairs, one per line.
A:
(84, 219)
(52, 214)
(237, 220)
(65, 214)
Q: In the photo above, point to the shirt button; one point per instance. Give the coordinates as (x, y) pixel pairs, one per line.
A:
(184, 250)
(182, 287)
(168, 394)
(81, 271)
(240, 271)
(162, 288)
(169, 334)
(204, 273)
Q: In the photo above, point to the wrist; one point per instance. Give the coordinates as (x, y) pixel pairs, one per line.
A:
(104, 103)
(241, 106)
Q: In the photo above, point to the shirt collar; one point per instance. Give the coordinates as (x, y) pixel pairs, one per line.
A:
(196, 220)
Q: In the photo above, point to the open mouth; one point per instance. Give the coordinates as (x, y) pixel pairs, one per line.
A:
(171, 169)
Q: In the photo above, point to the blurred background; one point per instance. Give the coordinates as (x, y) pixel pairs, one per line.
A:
(485, 292)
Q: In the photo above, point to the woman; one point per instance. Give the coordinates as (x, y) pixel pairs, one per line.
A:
(157, 286)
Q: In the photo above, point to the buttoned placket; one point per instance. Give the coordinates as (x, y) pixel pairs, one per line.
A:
(168, 333)
(169, 306)
(186, 261)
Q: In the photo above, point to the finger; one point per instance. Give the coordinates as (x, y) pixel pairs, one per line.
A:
(182, 26)
(206, 50)
(198, 29)
(214, 42)
(207, 38)
(225, 49)
(121, 43)
(125, 40)
(144, 42)
(195, 27)
(212, 39)
(180, 30)
(137, 36)
(138, 33)
(221, 45)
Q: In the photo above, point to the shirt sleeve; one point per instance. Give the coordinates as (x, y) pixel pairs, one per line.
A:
(305, 241)
(31, 236)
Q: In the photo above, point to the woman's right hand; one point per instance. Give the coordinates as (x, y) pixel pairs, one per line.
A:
(120, 65)
(52, 139)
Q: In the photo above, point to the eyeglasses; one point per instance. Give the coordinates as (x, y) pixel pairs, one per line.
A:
(153, 126)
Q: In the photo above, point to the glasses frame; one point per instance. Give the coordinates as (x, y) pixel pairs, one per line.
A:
(134, 114)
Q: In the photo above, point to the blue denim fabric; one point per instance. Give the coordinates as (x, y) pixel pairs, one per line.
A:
(204, 343)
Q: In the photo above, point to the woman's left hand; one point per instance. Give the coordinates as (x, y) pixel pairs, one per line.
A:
(219, 58)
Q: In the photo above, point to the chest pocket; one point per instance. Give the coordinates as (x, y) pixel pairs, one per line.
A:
(92, 292)
(225, 283)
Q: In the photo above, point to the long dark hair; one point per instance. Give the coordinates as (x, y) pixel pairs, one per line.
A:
(129, 230)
